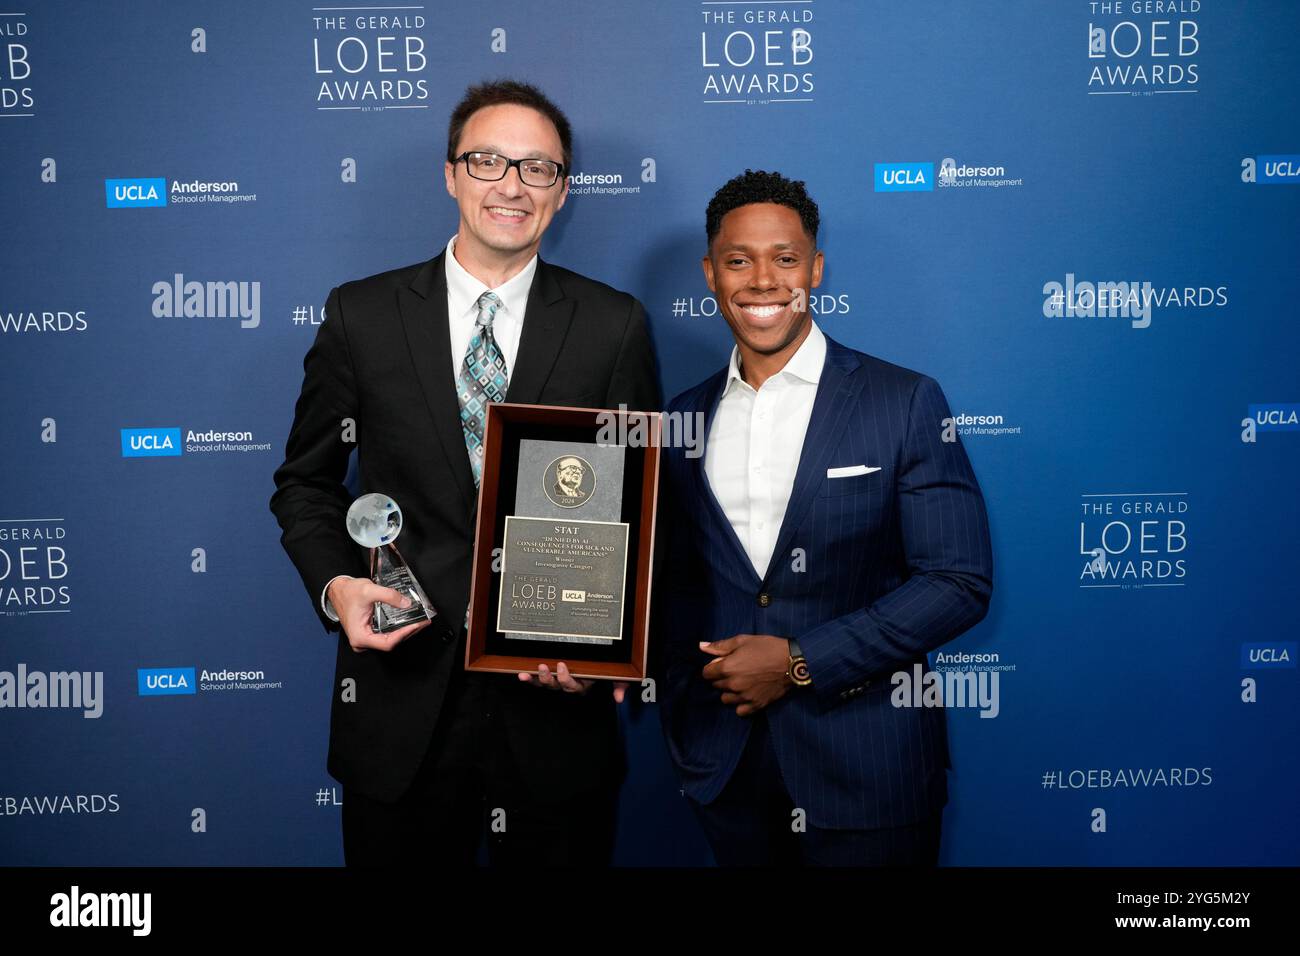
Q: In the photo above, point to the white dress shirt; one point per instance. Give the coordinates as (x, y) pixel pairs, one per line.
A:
(754, 445)
(463, 291)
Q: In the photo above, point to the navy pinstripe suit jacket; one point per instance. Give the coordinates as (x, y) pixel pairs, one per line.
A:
(869, 573)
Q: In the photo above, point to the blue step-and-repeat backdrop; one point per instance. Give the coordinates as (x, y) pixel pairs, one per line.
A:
(1080, 216)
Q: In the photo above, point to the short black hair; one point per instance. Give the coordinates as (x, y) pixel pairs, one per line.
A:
(751, 187)
(498, 92)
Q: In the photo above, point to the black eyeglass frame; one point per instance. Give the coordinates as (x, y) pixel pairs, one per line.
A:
(517, 163)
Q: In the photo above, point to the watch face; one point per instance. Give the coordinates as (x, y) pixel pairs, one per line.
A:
(799, 672)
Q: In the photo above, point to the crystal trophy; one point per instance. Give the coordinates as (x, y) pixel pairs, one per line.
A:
(375, 521)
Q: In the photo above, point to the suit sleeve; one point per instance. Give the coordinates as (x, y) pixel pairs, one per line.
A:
(310, 501)
(945, 538)
(635, 380)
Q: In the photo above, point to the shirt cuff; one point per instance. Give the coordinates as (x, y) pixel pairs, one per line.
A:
(325, 604)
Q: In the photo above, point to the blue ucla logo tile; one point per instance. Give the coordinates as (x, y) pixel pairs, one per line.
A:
(1276, 417)
(150, 442)
(153, 681)
(126, 193)
(904, 177)
(1279, 169)
(1274, 654)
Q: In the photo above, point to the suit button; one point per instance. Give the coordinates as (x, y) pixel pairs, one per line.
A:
(764, 599)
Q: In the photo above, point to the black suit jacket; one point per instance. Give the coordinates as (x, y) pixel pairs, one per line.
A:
(382, 360)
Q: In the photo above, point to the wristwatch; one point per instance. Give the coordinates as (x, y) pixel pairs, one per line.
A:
(797, 670)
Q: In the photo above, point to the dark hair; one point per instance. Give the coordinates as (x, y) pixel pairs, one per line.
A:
(752, 187)
(498, 92)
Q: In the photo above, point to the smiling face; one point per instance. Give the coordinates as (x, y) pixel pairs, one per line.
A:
(504, 220)
(757, 263)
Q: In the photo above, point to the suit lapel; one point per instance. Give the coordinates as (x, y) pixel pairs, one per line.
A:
(837, 396)
(711, 396)
(546, 323)
(423, 308)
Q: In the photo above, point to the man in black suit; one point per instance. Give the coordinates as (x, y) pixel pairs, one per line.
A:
(431, 757)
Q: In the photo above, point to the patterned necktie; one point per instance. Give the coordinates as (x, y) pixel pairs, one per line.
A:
(482, 379)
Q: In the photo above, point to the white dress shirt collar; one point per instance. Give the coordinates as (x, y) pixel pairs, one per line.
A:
(463, 290)
(805, 365)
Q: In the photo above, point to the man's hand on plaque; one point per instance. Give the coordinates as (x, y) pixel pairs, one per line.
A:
(561, 679)
(354, 602)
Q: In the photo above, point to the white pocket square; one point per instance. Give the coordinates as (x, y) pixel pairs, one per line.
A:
(848, 471)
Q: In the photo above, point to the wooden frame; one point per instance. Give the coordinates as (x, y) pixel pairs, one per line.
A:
(507, 424)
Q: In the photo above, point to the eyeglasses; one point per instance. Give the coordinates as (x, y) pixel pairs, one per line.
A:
(492, 167)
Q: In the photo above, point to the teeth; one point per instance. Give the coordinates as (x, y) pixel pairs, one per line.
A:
(502, 211)
(763, 311)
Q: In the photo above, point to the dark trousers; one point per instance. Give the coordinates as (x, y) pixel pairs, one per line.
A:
(469, 787)
(751, 823)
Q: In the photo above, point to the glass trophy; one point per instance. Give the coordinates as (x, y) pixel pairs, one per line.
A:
(375, 521)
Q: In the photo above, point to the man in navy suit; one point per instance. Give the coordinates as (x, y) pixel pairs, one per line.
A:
(827, 538)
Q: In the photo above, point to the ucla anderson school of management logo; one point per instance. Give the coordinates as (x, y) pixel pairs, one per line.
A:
(173, 442)
(153, 191)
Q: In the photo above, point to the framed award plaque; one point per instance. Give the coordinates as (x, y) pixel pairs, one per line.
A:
(564, 539)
